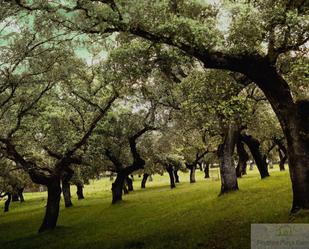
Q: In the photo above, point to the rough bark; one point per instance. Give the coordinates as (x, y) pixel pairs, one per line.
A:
(7, 202)
(144, 180)
(206, 169)
(297, 134)
(176, 175)
(260, 160)
(52, 207)
(243, 157)
(80, 191)
(227, 168)
(170, 172)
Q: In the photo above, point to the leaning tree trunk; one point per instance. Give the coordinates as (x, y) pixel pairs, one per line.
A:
(7, 202)
(129, 183)
(260, 160)
(117, 187)
(80, 192)
(20, 194)
(52, 207)
(192, 173)
(294, 121)
(144, 180)
(206, 169)
(243, 157)
(176, 175)
(170, 172)
(227, 168)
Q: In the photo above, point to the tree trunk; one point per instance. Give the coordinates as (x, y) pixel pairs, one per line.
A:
(283, 158)
(7, 202)
(297, 134)
(144, 180)
(242, 159)
(20, 194)
(227, 168)
(170, 172)
(129, 183)
(80, 192)
(117, 187)
(124, 188)
(282, 153)
(293, 117)
(66, 190)
(176, 175)
(15, 196)
(206, 169)
(52, 207)
(260, 160)
(192, 173)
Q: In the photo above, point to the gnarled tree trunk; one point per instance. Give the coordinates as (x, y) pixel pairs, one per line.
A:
(227, 168)
(52, 207)
(144, 180)
(260, 160)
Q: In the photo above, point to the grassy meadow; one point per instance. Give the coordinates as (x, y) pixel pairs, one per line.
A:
(189, 216)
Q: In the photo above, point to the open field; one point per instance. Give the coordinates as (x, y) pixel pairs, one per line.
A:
(190, 216)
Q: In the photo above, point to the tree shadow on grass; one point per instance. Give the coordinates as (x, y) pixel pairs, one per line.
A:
(41, 240)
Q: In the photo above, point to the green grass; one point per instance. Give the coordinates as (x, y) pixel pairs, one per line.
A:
(190, 216)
